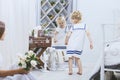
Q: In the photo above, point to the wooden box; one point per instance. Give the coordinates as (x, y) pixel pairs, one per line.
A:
(44, 41)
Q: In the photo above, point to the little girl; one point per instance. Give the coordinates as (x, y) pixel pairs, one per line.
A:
(76, 39)
(59, 40)
(60, 33)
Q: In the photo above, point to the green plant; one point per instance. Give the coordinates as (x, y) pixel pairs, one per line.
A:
(45, 31)
(50, 16)
(32, 32)
(42, 1)
(57, 10)
(62, 1)
(52, 3)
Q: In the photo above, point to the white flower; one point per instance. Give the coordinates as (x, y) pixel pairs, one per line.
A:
(30, 53)
(28, 60)
(33, 63)
(23, 63)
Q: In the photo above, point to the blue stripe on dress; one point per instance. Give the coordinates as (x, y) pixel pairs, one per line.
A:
(59, 47)
(74, 52)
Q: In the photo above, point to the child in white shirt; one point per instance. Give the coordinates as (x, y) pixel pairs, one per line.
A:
(59, 40)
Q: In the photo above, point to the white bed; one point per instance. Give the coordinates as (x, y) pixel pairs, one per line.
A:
(111, 52)
(111, 58)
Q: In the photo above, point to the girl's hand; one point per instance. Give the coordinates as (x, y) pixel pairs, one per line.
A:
(66, 43)
(91, 46)
(55, 40)
(23, 71)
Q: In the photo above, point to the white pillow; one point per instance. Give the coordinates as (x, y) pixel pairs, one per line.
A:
(112, 53)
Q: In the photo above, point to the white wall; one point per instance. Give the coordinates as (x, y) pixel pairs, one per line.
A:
(95, 13)
(101, 11)
(19, 18)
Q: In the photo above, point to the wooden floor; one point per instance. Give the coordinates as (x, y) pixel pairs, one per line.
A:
(88, 64)
(63, 74)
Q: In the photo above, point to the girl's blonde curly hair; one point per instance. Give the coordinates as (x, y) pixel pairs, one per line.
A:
(60, 19)
(76, 15)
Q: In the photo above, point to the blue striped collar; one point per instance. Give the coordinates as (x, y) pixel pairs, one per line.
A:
(79, 28)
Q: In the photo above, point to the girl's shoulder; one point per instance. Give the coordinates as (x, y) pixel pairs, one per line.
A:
(80, 25)
(57, 29)
(84, 25)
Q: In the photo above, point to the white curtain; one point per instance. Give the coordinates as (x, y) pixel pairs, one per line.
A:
(19, 17)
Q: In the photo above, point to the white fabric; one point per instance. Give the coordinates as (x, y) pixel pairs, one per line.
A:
(1, 61)
(60, 56)
(20, 77)
(19, 18)
(52, 58)
(76, 40)
(112, 54)
(61, 33)
(60, 59)
(28, 76)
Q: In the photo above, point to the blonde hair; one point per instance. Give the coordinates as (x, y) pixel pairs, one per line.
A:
(76, 15)
(60, 19)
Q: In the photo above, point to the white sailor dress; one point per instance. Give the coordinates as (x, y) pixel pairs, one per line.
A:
(76, 40)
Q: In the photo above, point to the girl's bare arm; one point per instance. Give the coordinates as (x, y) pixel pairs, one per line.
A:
(90, 39)
(68, 34)
(4, 73)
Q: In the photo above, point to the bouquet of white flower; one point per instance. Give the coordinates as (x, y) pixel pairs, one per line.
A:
(28, 61)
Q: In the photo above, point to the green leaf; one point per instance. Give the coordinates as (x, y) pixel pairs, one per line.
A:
(20, 64)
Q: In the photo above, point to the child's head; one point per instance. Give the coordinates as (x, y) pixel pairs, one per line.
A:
(2, 30)
(76, 17)
(61, 22)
